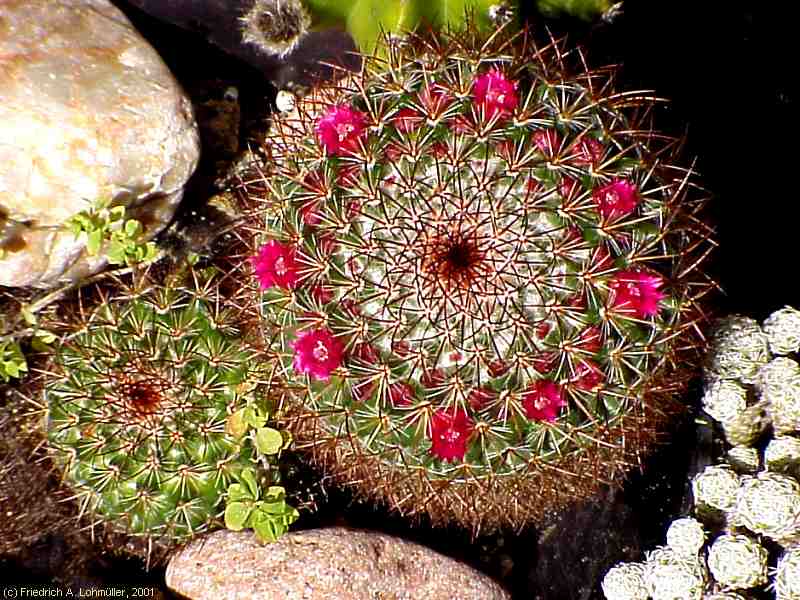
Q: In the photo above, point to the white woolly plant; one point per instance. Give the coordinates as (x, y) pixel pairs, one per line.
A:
(752, 391)
(738, 562)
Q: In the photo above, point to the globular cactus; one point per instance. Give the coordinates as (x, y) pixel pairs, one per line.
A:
(482, 274)
(139, 404)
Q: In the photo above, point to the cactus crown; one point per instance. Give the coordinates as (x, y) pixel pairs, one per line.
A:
(137, 402)
(479, 270)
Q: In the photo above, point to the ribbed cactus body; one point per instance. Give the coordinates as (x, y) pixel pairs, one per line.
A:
(138, 401)
(481, 274)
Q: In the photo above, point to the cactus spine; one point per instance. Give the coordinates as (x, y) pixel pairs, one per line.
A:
(483, 275)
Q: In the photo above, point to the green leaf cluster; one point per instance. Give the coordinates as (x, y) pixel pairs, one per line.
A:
(267, 513)
(12, 360)
(107, 225)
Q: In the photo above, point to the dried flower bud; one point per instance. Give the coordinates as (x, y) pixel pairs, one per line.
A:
(625, 581)
(686, 536)
(669, 575)
(782, 329)
(738, 562)
(769, 504)
(738, 349)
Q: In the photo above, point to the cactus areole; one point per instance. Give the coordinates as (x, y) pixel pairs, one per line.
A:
(483, 276)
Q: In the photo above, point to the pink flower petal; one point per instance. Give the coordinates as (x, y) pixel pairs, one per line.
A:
(495, 94)
(317, 353)
(449, 431)
(276, 265)
(616, 199)
(340, 129)
(543, 400)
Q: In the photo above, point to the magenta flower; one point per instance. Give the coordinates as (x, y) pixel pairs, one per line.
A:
(449, 432)
(616, 199)
(276, 265)
(542, 400)
(496, 94)
(340, 129)
(636, 293)
(317, 353)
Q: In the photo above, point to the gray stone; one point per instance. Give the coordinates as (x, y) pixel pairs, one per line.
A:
(320, 564)
(88, 112)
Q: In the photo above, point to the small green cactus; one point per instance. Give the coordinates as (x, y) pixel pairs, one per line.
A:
(481, 276)
(142, 405)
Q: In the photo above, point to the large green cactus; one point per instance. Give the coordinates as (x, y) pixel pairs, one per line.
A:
(484, 275)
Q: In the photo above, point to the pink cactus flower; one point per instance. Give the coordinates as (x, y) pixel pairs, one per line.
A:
(616, 199)
(495, 94)
(340, 129)
(636, 293)
(317, 353)
(449, 431)
(276, 265)
(542, 401)
(547, 141)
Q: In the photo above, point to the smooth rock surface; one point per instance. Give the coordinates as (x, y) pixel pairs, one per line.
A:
(320, 564)
(88, 111)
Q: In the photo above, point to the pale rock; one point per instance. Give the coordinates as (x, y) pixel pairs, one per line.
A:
(88, 112)
(320, 564)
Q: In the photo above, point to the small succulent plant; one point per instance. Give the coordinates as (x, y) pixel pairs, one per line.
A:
(145, 404)
(483, 276)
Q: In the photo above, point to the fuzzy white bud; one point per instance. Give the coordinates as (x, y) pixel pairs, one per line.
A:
(786, 581)
(779, 382)
(285, 101)
(738, 349)
(769, 504)
(686, 536)
(669, 576)
(782, 329)
(716, 487)
(725, 399)
(625, 581)
(738, 562)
